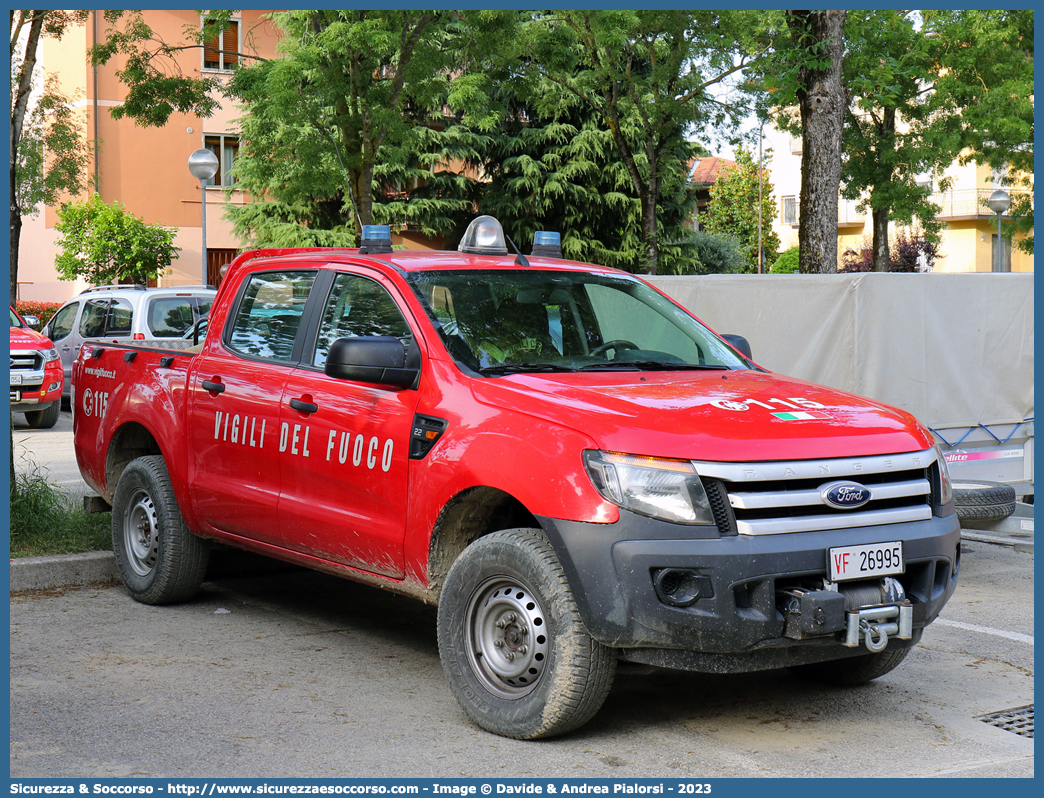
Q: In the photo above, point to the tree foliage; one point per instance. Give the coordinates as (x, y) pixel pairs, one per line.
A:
(103, 243)
(648, 76)
(351, 92)
(733, 209)
(986, 68)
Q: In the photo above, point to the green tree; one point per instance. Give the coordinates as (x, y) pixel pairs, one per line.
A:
(349, 96)
(929, 90)
(561, 170)
(648, 76)
(733, 209)
(102, 243)
(987, 69)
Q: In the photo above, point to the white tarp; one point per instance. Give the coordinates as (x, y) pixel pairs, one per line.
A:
(953, 349)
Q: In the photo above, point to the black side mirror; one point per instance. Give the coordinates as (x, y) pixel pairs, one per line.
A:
(379, 359)
(739, 343)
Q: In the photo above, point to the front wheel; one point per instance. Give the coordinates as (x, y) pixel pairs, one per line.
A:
(159, 559)
(852, 671)
(515, 651)
(44, 419)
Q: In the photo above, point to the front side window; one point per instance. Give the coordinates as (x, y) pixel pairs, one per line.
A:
(357, 307)
(269, 313)
(61, 324)
(499, 322)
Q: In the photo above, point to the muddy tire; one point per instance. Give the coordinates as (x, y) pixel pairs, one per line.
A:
(516, 653)
(987, 501)
(159, 559)
(46, 418)
(853, 670)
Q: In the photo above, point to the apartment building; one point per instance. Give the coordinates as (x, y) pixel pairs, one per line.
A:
(147, 168)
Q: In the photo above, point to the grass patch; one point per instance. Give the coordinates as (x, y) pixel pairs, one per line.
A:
(45, 521)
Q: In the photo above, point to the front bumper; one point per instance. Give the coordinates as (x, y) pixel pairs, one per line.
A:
(612, 568)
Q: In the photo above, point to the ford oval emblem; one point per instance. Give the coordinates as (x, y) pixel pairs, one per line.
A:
(845, 495)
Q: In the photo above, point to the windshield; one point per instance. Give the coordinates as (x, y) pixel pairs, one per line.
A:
(510, 321)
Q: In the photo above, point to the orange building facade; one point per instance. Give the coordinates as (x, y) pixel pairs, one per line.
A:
(147, 168)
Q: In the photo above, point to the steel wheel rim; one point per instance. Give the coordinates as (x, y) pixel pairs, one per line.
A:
(507, 637)
(141, 533)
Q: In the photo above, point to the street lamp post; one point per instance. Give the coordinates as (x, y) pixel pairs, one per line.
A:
(203, 164)
(761, 258)
(999, 202)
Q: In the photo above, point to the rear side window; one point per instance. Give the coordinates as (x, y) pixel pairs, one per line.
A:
(269, 314)
(103, 317)
(171, 317)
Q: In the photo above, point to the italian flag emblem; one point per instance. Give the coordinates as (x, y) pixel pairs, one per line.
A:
(802, 415)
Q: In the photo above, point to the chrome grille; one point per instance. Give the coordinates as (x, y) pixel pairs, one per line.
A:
(774, 498)
(26, 360)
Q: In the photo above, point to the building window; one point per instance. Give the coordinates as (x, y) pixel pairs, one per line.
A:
(226, 148)
(790, 210)
(223, 55)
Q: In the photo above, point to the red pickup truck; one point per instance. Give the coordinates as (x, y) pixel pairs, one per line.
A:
(36, 374)
(570, 465)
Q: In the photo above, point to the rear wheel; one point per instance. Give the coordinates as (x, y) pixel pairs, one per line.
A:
(515, 651)
(853, 670)
(159, 559)
(44, 419)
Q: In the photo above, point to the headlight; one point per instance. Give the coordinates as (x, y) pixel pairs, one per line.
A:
(945, 489)
(50, 354)
(670, 490)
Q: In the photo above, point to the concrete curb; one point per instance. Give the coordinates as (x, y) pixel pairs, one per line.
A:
(99, 568)
(63, 570)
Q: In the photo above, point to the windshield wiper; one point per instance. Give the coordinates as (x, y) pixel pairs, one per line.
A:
(650, 365)
(522, 368)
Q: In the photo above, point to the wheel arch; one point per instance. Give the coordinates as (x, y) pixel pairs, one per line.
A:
(128, 443)
(468, 516)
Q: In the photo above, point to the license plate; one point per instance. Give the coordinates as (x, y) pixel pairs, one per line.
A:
(16, 379)
(865, 562)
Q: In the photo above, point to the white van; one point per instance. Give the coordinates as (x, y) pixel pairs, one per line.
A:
(125, 314)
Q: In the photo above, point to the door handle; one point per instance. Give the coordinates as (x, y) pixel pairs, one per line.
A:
(304, 407)
(213, 387)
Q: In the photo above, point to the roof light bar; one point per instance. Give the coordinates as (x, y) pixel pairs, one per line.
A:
(484, 236)
(376, 239)
(547, 244)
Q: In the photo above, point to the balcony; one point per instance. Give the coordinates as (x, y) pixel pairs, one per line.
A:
(968, 203)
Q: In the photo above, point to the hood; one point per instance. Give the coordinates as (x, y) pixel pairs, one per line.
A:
(26, 338)
(736, 416)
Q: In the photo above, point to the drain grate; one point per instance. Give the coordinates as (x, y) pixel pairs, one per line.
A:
(1018, 720)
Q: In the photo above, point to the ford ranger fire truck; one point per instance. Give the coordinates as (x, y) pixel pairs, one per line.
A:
(571, 466)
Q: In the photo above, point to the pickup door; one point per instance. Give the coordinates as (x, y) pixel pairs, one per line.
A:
(344, 498)
(236, 393)
(330, 478)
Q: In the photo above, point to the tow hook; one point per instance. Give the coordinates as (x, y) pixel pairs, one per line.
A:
(876, 624)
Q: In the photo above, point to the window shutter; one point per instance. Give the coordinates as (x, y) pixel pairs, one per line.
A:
(210, 53)
(230, 44)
